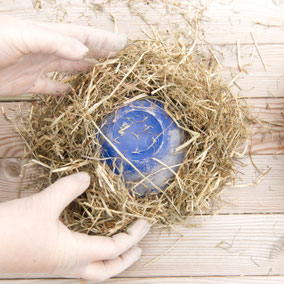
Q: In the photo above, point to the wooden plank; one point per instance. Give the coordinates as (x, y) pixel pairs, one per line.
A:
(223, 21)
(19, 98)
(231, 20)
(160, 280)
(267, 196)
(225, 245)
(254, 81)
(264, 142)
(228, 245)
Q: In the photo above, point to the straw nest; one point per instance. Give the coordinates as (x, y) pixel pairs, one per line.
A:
(61, 135)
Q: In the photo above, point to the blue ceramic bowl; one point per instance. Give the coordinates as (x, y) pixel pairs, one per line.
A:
(144, 133)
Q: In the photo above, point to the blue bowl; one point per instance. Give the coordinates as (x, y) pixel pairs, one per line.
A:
(147, 137)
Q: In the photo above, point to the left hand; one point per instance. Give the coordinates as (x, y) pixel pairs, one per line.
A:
(29, 49)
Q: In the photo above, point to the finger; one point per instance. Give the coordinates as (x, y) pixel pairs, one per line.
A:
(49, 87)
(103, 270)
(101, 43)
(96, 248)
(65, 190)
(69, 66)
(38, 39)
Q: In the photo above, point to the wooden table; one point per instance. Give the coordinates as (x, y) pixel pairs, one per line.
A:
(245, 242)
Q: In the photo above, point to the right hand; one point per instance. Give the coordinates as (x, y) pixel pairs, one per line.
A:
(33, 240)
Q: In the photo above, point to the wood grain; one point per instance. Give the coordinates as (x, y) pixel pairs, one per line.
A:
(224, 245)
(12, 184)
(11, 144)
(265, 197)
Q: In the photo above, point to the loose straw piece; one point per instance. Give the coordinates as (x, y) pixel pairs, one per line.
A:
(138, 97)
(193, 45)
(146, 33)
(235, 79)
(238, 56)
(215, 57)
(5, 115)
(258, 51)
(180, 182)
(164, 253)
(115, 29)
(103, 174)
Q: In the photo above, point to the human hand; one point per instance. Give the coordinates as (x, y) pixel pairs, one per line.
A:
(29, 49)
(33, 240)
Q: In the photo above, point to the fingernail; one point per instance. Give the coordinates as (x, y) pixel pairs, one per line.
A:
(80, 50)
(84, 177)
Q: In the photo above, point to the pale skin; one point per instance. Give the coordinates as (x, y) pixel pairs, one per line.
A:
(32, 238)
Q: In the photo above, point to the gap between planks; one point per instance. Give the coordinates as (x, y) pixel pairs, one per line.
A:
(159, 280)
(224, 21)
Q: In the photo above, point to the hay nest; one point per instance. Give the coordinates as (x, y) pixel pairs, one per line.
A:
(61, 135)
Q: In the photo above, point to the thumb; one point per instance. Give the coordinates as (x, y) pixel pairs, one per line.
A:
(65, 190)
